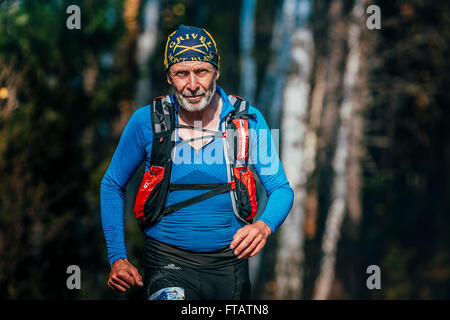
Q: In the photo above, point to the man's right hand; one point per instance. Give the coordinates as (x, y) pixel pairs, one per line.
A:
(123, 276)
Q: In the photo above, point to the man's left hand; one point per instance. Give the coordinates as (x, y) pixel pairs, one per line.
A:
(250, 239)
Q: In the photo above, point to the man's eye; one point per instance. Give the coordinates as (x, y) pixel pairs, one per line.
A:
(202, 72)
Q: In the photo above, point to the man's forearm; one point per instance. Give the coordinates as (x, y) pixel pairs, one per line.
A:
(112, 217)
(278, 206)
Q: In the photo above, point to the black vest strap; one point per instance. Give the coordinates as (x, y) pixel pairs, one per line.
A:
(221, 188)
(195, 186)
(163, 119)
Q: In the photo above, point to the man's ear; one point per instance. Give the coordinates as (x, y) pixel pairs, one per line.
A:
(217, 74)
(169, 80)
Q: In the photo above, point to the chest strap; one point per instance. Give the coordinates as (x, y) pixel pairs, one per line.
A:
(215, 189)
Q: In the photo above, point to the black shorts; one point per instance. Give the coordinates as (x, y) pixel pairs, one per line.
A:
(174, 274)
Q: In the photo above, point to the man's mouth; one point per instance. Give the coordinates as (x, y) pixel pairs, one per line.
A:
(194, 98)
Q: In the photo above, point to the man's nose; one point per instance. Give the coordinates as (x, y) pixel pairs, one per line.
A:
(192, 82)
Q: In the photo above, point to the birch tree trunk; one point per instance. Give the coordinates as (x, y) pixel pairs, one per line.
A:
(289, 257)
(247, 44)
(146, 44)
(337, 209)
(276, 72)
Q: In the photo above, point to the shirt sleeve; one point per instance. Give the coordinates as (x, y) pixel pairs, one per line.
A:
(266, 162)
(129, 154)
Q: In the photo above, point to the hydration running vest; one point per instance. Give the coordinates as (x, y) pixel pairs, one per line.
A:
(149, 206)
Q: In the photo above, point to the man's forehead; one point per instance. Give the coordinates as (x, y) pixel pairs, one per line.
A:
(190, 65)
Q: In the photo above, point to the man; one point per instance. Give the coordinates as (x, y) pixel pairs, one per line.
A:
(199, 250)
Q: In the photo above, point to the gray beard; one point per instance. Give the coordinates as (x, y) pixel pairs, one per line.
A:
(206, 100)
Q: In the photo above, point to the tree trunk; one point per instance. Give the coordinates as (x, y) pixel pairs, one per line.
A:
(340, 187)
(311, 145)
(289, 258)
(356, 152)
(270, 98)
(335, 46)
(146, 44)
(126, 65)
(247, 44)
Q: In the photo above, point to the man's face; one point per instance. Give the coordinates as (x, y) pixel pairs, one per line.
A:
(194, 83)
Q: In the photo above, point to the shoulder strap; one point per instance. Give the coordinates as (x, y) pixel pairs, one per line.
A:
(237, 121)
(237, 154)
(163, 125)
(241, 109)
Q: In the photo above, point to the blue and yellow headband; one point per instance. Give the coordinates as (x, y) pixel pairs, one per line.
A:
(189, 43)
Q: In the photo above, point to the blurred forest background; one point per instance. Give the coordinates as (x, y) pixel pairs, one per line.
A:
(365, 137)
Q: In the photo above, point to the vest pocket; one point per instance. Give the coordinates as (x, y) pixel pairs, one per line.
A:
(149, 188)
(246, 193)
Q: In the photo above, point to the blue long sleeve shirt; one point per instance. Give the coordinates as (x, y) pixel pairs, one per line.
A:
(205, 226)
